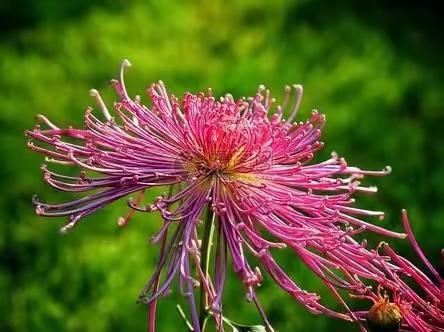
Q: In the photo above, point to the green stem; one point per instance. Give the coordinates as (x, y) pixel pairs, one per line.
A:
(184, 318)
(207, 243)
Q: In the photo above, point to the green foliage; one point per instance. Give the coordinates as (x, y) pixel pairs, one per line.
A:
(377, 73)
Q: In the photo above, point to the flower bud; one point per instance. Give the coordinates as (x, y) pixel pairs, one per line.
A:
(384, 316)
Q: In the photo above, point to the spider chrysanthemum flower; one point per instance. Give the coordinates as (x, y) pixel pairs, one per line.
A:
(241, 163)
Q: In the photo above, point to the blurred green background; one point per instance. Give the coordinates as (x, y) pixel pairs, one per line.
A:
(375, 69)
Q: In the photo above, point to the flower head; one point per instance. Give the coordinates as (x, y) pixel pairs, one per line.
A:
(239, 162)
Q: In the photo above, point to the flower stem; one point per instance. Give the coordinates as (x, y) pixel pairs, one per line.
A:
(207, 243)
(267, 324)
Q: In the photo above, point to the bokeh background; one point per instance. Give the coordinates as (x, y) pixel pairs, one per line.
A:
(374, 68)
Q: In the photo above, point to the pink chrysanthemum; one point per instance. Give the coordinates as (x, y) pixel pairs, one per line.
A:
(246, 170)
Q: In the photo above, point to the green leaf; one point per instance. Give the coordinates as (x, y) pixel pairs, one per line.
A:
(244, 328)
